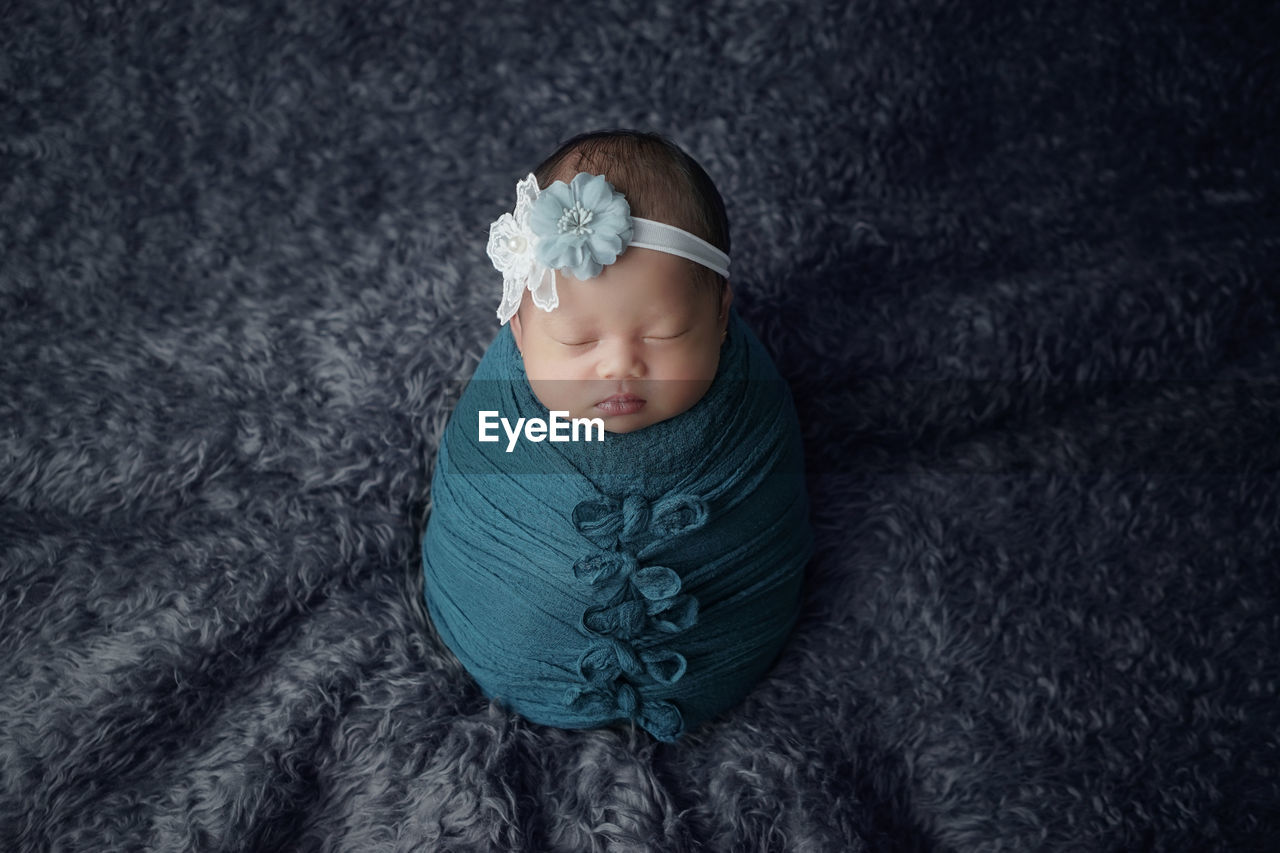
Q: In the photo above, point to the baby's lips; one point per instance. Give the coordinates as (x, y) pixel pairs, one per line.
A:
(622, 396)
(621, 404)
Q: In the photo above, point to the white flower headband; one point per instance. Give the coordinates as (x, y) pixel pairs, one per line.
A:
(582, 227)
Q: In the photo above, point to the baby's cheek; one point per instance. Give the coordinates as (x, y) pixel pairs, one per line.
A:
(548, 367)
(694, 390)
(566, 395)
(549, 390)
(691, 364)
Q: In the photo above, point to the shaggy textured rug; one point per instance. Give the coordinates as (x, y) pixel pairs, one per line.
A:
(1019, 262)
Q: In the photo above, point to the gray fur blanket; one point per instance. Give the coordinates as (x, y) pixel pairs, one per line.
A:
(1018, 261)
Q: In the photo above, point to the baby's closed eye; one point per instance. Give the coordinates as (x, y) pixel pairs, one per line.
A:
(670, 337)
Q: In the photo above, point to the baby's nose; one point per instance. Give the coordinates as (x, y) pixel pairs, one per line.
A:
(620, 360)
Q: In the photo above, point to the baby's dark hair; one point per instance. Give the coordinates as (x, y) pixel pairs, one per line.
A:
(661, 182)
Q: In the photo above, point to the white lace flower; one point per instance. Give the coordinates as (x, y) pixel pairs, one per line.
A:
(511, 248)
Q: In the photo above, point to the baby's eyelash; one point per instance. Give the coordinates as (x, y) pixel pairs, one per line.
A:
(647, 338)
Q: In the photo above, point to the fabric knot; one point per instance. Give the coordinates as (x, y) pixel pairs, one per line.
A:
(592, 700)
(610, 659)
(635, 517)
(598, 520)
(628, 701)
(673, 615)
(645, 600)
(656, 583)
(606, 661)
(655, 600)
(664, 666)
(677, 514)
(607, 521)
(603, 566)
(625, 620)
(660, 718)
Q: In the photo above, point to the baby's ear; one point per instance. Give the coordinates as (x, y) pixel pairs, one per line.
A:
(517, 331)
(726, 299)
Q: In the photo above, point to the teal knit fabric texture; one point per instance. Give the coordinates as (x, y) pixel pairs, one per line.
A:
(651, 577)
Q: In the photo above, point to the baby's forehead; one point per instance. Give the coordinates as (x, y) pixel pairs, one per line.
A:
(604, 307)
(565, 316)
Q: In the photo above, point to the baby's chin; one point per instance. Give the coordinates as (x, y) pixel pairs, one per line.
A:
(621, 424)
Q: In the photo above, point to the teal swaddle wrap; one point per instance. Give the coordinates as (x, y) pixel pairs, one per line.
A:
(651, 577)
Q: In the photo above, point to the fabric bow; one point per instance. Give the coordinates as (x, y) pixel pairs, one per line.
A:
(660, 718)
(607, 521)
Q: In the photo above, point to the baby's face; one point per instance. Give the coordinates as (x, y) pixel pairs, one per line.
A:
(635, 345)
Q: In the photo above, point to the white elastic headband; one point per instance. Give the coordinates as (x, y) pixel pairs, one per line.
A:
(648, 234)
(582, 227)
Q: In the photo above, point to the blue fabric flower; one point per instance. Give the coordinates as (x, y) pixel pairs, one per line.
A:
(581, 226)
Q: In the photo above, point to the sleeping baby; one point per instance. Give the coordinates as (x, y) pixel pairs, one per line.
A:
(632, 549)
